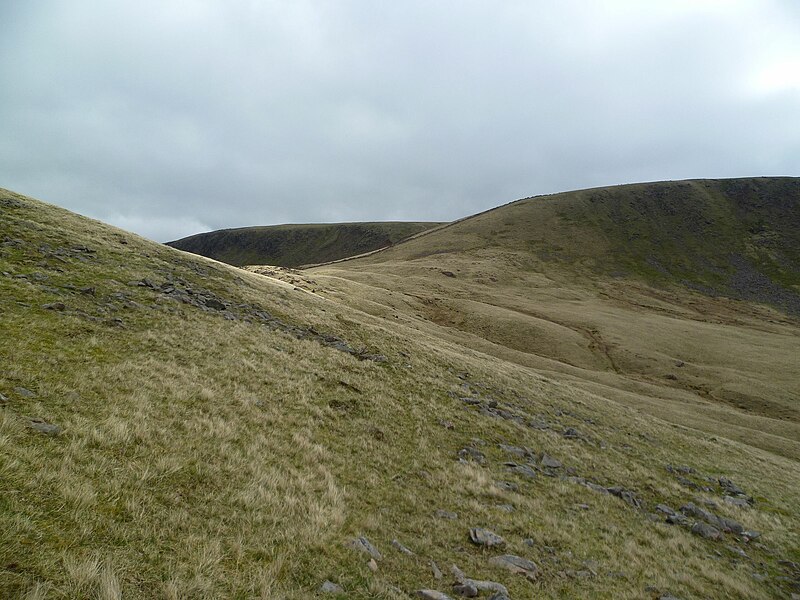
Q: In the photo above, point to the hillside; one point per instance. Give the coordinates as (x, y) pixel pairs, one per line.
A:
(566, 284)
(738, 238)
(174, 427)
(296, 245)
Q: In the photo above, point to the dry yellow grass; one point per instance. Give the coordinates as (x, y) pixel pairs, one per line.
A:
(619, 339)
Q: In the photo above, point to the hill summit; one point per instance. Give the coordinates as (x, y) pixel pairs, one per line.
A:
(738, 238)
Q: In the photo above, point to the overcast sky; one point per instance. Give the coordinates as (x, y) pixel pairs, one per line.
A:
(172, 117)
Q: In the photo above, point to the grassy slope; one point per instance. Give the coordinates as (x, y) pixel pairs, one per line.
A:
(591, 308)
(736, 237)
(295, 245)
(204, 457)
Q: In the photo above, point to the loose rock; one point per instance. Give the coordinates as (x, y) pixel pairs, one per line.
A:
(691, 484)
(515, 450)
(401, 548)
(737, 550)
(432, 595)
(363, 545)
(573, 574)
(480, 585)
(328, 587)
(707, 531)
(751, 535)
(213, 303)
(686, 470)
(625, 495)
(44, 427)
(506, 486)
(500, 413)
(24, 392)
(730, 487)
(466, 590)
(723, 523)
(517, 565)
(740, 502)
(446, 514)
(539, 424)
(484, 537)
(437, 573)
(678, 519)
(550, 462)
(596, 488)
(471, 454)
(142, 283)
(663, 508)
(524, 470)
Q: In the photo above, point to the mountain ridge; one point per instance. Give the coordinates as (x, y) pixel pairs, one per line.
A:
(295, 245)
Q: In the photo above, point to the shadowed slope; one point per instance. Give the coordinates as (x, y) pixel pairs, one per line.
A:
(296, 245)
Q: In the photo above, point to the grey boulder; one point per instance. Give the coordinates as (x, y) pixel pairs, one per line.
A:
(466, 590)
(362, 544)
(517, 565)
(44, 427)
(550, 462)
(484, 537)
(707, 531)
(328, 587)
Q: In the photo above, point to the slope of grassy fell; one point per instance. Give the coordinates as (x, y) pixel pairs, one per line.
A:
(721, 366)
(172, 427)
(296, 245)
(738, 238)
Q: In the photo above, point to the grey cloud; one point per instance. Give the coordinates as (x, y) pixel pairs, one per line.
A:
(172, 117)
